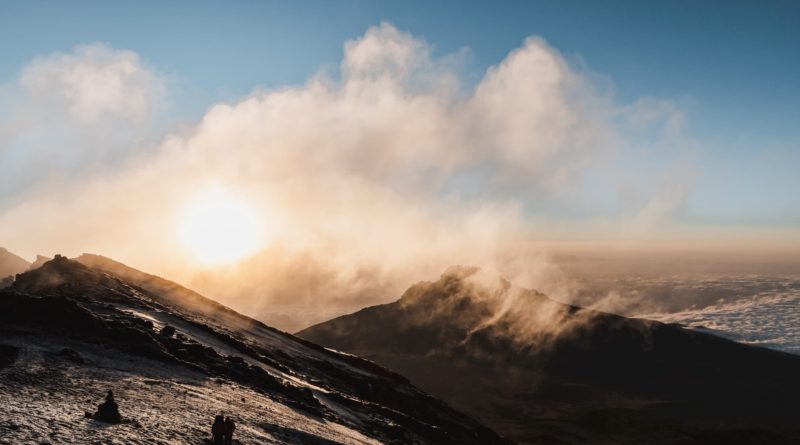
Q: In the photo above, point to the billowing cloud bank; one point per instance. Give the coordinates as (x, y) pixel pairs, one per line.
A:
(71, 115)
(366, 182)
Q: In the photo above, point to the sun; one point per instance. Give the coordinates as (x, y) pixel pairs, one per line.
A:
(219, 226)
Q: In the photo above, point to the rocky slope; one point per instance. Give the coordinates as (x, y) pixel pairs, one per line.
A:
(69, 332)
(542, 372)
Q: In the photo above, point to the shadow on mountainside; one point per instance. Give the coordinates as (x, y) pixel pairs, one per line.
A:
(63, 315)
(592, 378)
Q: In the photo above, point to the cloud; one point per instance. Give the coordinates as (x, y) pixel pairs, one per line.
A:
(94, 82)
(770, 319)
(69, 115)
(660, 208)
(531, 112)
(366, 182)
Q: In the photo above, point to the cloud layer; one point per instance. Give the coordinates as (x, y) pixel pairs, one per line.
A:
(368, 181)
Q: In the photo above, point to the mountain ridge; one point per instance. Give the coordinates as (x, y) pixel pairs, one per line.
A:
(560, 382)
(71, 331)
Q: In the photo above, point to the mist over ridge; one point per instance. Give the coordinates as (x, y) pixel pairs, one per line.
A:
(363, 223)
(365, 179)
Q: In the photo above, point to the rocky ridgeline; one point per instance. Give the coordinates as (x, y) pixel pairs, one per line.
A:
(66, 299)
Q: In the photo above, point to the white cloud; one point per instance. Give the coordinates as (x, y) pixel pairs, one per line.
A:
(73, 114)
(767, 319)
(354, 176)
(95, 81)
(532, 109)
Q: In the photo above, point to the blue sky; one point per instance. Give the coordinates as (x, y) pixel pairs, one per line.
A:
(733, 67)
(727, 55)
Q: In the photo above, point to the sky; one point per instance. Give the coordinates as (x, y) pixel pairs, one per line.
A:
(367, 143)
(731, 67)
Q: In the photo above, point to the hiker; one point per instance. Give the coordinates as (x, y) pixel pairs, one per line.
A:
(229, 427)
(108, 411)
(218, 430)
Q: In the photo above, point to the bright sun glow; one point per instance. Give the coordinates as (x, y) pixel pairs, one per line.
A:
(218, 226)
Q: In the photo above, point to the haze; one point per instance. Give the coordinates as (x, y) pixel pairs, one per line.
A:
(380, 152)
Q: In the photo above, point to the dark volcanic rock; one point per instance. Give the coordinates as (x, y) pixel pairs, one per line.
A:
(543, 372)
(66, 303)
(72, 356)
(167, 331)
(8, 354)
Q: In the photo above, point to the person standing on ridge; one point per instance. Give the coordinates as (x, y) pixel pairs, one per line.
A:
(229, 428)
(218, 430)
(108, 411)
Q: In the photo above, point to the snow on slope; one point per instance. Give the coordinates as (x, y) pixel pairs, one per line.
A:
(44, 395)
(69, 332)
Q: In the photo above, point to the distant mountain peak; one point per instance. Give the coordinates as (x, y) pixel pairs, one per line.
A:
(460, 272)
(39, 261)
(458, 283)
(468, 300)
(546, 372)
(55, 274)
(11, 264)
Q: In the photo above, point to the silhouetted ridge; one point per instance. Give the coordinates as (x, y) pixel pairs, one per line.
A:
(541, 371)
(78, 306)
(57, 273)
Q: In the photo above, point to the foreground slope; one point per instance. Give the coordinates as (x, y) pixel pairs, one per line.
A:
(542, 372)
(69, 332)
